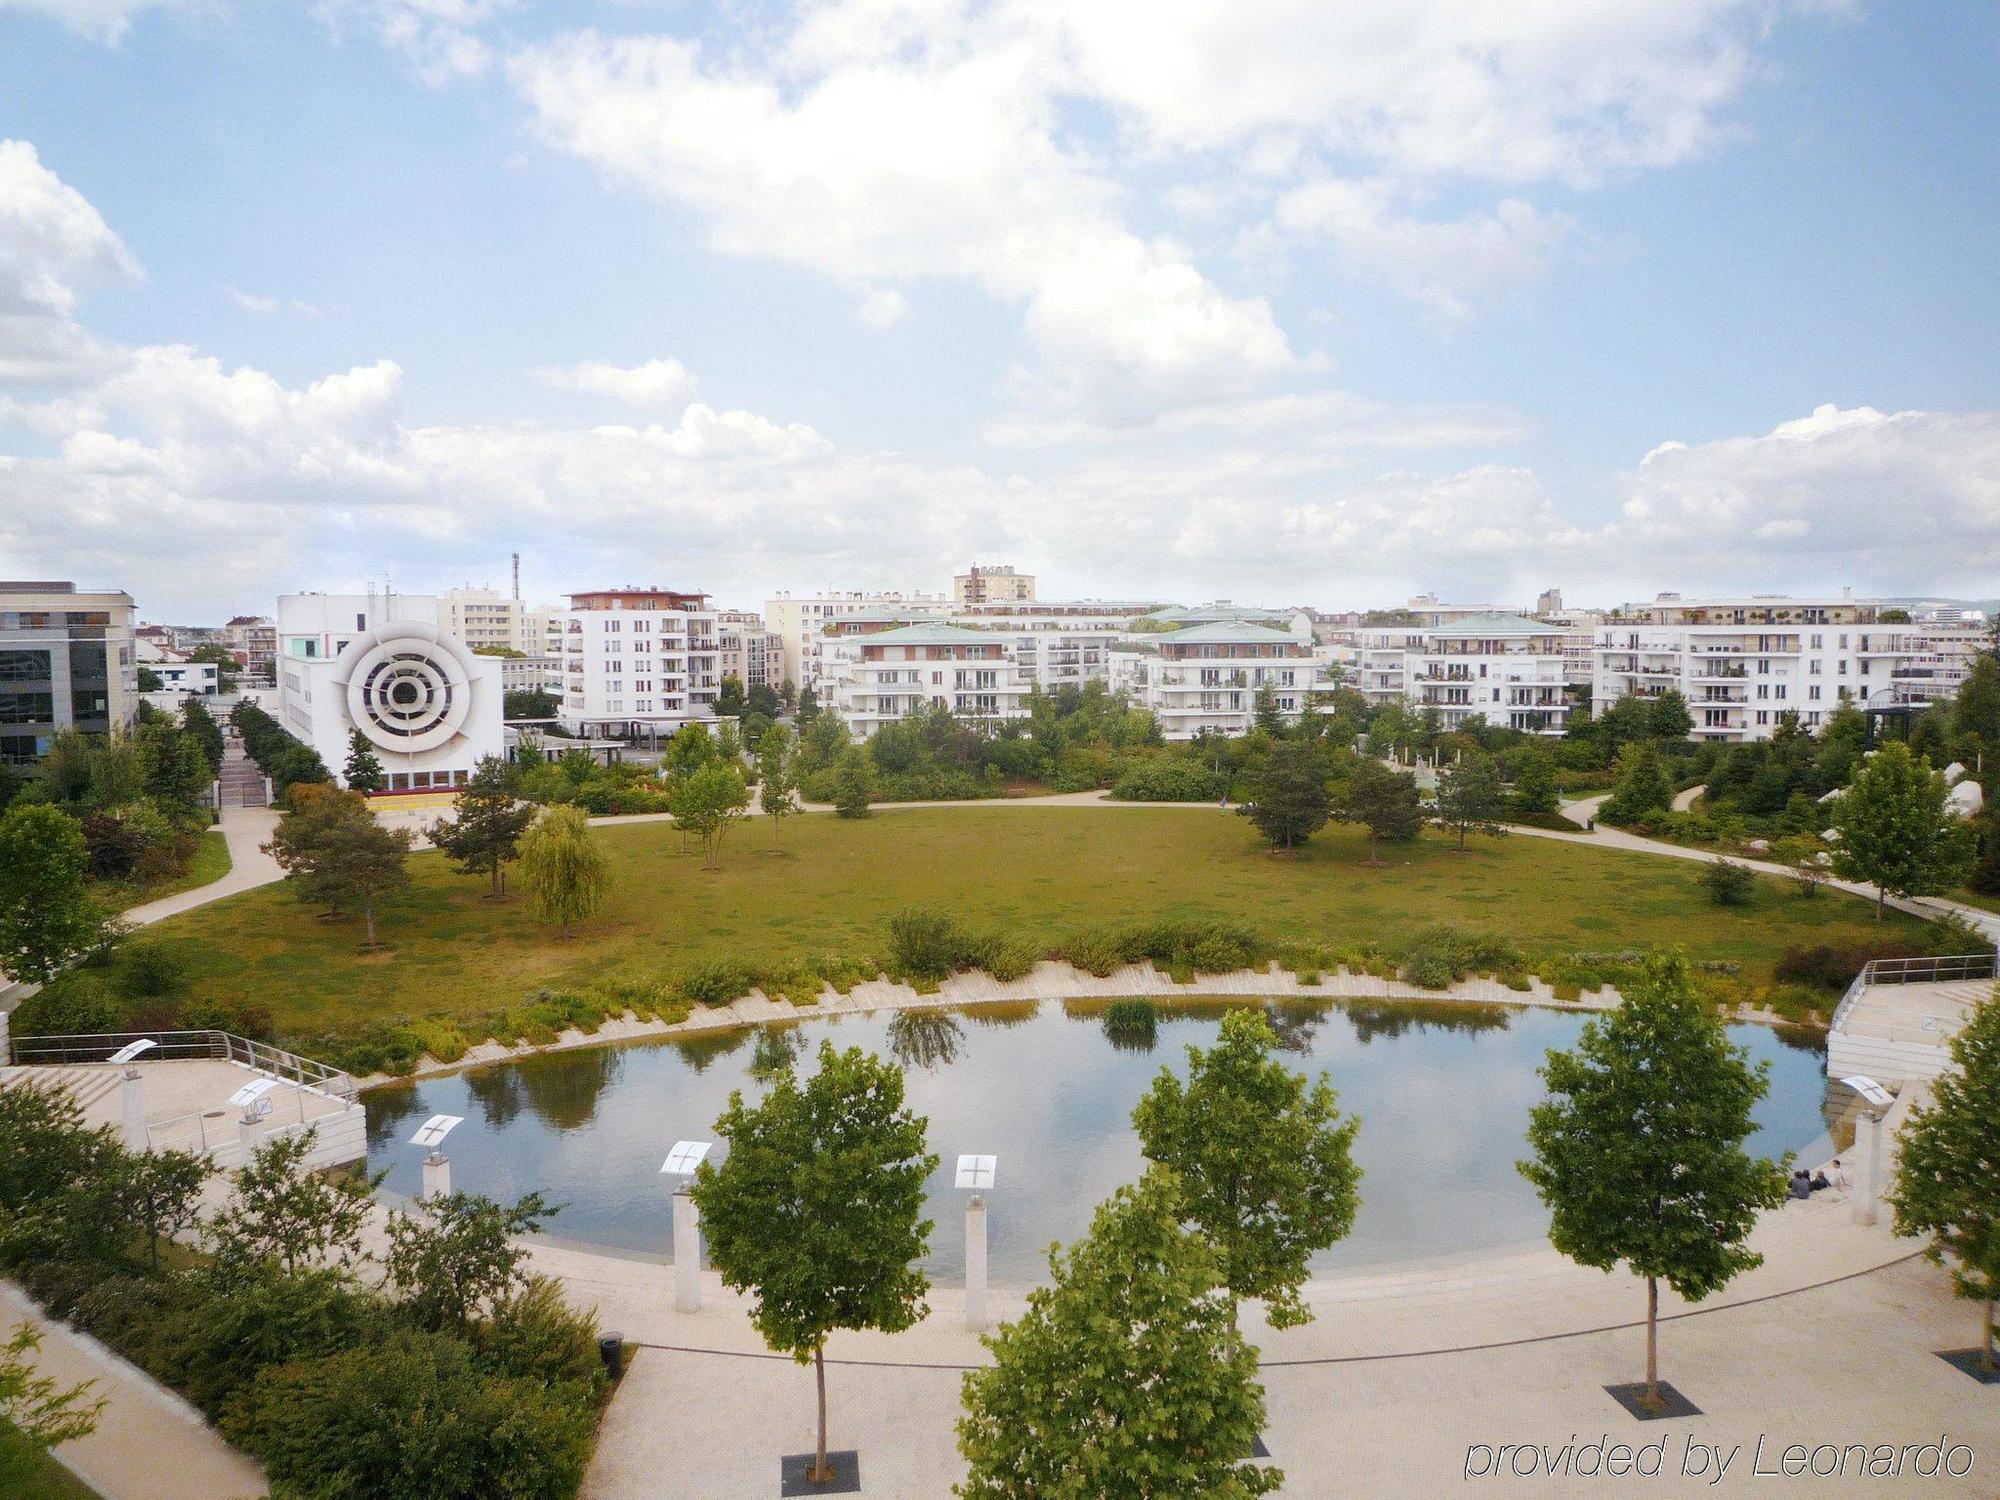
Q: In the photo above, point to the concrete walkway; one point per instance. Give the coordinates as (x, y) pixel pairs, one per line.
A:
(149, 1443)
(246, 830)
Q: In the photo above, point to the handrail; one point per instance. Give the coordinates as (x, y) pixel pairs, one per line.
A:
(1927, 970)
(259, 1057)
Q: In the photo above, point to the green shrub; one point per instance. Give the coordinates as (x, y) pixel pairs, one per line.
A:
(925, 945)
(1100, 951)
(1168, 780)
(535, 1335)
(1440, 955)
(715, 981)
(77, 1004)
(234, 1016)
(152, 970)
(1728, 883)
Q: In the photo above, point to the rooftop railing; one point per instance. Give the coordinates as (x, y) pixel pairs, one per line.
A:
(223, 1046)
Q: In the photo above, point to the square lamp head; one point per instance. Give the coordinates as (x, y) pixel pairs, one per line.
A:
(430, 1135)
(976, 1173)
(685, 1157)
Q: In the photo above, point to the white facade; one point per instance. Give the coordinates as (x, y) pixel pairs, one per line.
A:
(799, 622)
(1743, 663)
(1505, 669)
(1206, 677)
(486, 619)
(429, 706)
(639, 662)
(890, 674)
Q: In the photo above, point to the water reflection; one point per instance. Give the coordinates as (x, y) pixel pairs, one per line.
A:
(778, 1048)
(1442, 1091)
(925, 1038)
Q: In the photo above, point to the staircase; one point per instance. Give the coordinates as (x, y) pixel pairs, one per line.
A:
(242, 783)
(85, 1085)
(1900, 1014)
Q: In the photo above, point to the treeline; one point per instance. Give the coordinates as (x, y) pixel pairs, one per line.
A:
(279, 754)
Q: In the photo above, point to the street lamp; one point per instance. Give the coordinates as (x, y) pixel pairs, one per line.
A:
(437, 1166)
(132, 1092)
(680, 1165)
(976, 1175)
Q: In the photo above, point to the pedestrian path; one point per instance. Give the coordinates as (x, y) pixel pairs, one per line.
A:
(149, 1443)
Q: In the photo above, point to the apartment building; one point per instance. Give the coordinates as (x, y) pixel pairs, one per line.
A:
(905, 669)
(987, 585)
(429, 706)
(67, 661)
(1206, 677)
(253, 641)
(800, 621)
(1506, 669)
(639, 662)
(1743, 663)
(750, 652)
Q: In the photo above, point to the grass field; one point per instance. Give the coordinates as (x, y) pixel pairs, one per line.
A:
(210, 864)
(1042, 873)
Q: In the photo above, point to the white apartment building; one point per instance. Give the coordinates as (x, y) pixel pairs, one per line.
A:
(180, 677)
(427, 703)
(1503, 668)
(986, 585)
(1206, 677)
(1382, 660)
(1742, 663)
(639, 662)
(903, 670)
(486, 619)
(253, 641)
(799, 622)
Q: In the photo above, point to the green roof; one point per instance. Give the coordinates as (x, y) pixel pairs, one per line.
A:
(1235, 633)
(928, 635)
(1215, 613)
(1494, 623)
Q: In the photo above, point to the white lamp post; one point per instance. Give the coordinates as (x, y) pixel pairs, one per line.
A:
(975, 1175)
(437, 1166)
(1868, 1148)
(680, 1165)
(253, 1099)
(132, 1092)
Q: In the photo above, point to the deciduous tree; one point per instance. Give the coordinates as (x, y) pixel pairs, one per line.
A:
(706, 801)
(777, 787)
(817, 1211)
(566, 872)
(1383, 801)
(853, 783)
(458, 1254)
(287, 1214)
(335, 851)
(48, 919)
(1639, 1146)
(1265, 1161)
(1894, 834)
(1948, 1176)
(1127, 1378)
(1286, 794)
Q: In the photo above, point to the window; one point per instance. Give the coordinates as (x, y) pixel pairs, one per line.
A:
(1812, 693)
(24, 666)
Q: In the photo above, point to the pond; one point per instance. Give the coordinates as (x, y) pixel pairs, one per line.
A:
(1443, 1092)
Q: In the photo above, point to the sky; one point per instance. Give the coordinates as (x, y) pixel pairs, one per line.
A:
(1276, 300)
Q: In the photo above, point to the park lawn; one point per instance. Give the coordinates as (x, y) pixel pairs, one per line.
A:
(210, 863)
(30, 1474)
(1043, 873)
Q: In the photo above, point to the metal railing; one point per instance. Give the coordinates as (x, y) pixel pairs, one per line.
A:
(223, 1046)
(1927, 970)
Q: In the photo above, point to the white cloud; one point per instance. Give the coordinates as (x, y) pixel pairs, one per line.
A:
(658, 382)
(1452, 266)
(253, 302)
(54, 246)
(440, 39)
(100, 20)
(882, 308)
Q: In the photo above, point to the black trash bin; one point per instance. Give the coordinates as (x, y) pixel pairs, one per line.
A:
(611, 1348)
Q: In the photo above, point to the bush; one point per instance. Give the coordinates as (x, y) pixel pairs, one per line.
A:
(926, 945)
(1728, 883)
(1100, 951)
(79, 1004)
(152, 970)
(1441, 955)
(716, 981)
(1951, 936)
(537, 1336)
(1164, 780)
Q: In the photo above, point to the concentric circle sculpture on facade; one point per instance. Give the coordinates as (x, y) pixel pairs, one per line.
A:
(408, 685)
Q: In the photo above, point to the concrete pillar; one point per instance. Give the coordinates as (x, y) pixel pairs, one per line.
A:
(1868, 1181)
(687, 1253)
(132, 1095)
(975, 1261)
(437, 1176)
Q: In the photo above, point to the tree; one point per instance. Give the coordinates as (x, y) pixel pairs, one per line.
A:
(777, 788)
(48, 919)
(1894, 834)
(1264, 712)
(150, 681)
(1947, 1186)
(566, 872)
(763, 700)
(1728, 883)
(1265, 1162)
(39, 1413)
(1385, 802)
(227, 669)
(199, 722)
(1127, 1378)
(160, 1191)
(1639, 1146)
(287, 1214)
(332, 848)
(1642, 786)
(363, 771)
(1536, 793)
(729, 700)
(529, 703)
(817, 1210)
(1471, 797)
(1286, 795)
(457, 1255)
(175, 768)
(1667, 717)
(808, 708)
(689, 749)
(853, 782)
(705, 802)
(729, 743)
(486, 833)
